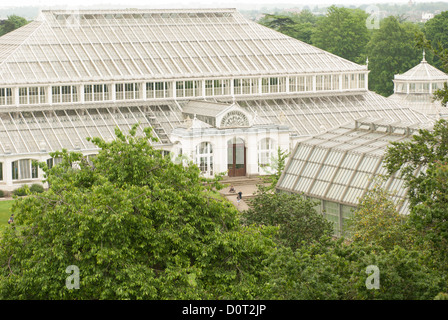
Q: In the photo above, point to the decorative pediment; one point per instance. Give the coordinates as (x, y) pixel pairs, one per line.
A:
(234, 118)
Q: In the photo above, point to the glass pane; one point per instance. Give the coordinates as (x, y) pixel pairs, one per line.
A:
(239, 156)
(230, 157)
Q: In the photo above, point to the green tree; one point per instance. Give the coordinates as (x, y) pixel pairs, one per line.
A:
(137, 225)
(343, 32)
(294, 215)
(440, 52)
(436, 31)
(12, 23)
(299, 26)
(274, 170)
(427, 151)
(377, 221)
(391, 50)
(337, 270)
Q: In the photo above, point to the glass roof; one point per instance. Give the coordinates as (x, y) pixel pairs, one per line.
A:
(48, 131)
(321, 167)
(423, 72)
(153, 44)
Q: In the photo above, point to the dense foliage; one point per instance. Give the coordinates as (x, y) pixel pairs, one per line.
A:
(343, 32)
(391, 50)
(436, 31)
(136, 225)
(427, 154)
(295, 216)
(12, 23)
(299, 26)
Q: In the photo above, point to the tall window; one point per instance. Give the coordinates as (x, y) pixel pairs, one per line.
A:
(266, 150)
(362, 80)
(327, 82)
(353, 81)
(204, 158)
(319, 83)
(5, 96)
(24, 169)
(265, 85)
(1, 171)
(335, 82)
(345, 81)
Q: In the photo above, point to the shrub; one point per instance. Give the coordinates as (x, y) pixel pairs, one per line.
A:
(36, 188)
(2, 193)
(19, 192)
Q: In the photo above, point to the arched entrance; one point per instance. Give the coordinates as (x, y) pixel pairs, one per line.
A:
(236, 157)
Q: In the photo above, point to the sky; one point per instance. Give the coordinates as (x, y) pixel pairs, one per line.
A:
(239, 4)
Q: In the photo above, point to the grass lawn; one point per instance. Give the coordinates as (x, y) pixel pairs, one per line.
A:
(5, 212)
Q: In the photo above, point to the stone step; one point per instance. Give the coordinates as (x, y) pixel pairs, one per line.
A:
(241, 181)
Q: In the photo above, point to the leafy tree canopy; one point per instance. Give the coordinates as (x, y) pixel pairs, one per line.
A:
(343, 32)
(428, 153)
(391, 50)
(12, 23)
(137, 225)
(436, 31)
(299, 26)
(337, 270)
(377, 221)
(295, 216)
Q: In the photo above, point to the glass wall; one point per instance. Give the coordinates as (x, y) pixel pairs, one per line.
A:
(273, 85)
(127, 91)
(331, 210)
(217, 87)
(188, 89)
(64, 94)
(158, 90)
(245, 86)
(191, 88)
(97, 92)
(31, 95)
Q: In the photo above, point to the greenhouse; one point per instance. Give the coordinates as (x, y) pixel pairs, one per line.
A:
(215, 87)
(337, 167)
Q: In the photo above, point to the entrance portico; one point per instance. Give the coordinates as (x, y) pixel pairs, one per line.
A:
(237, 146)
